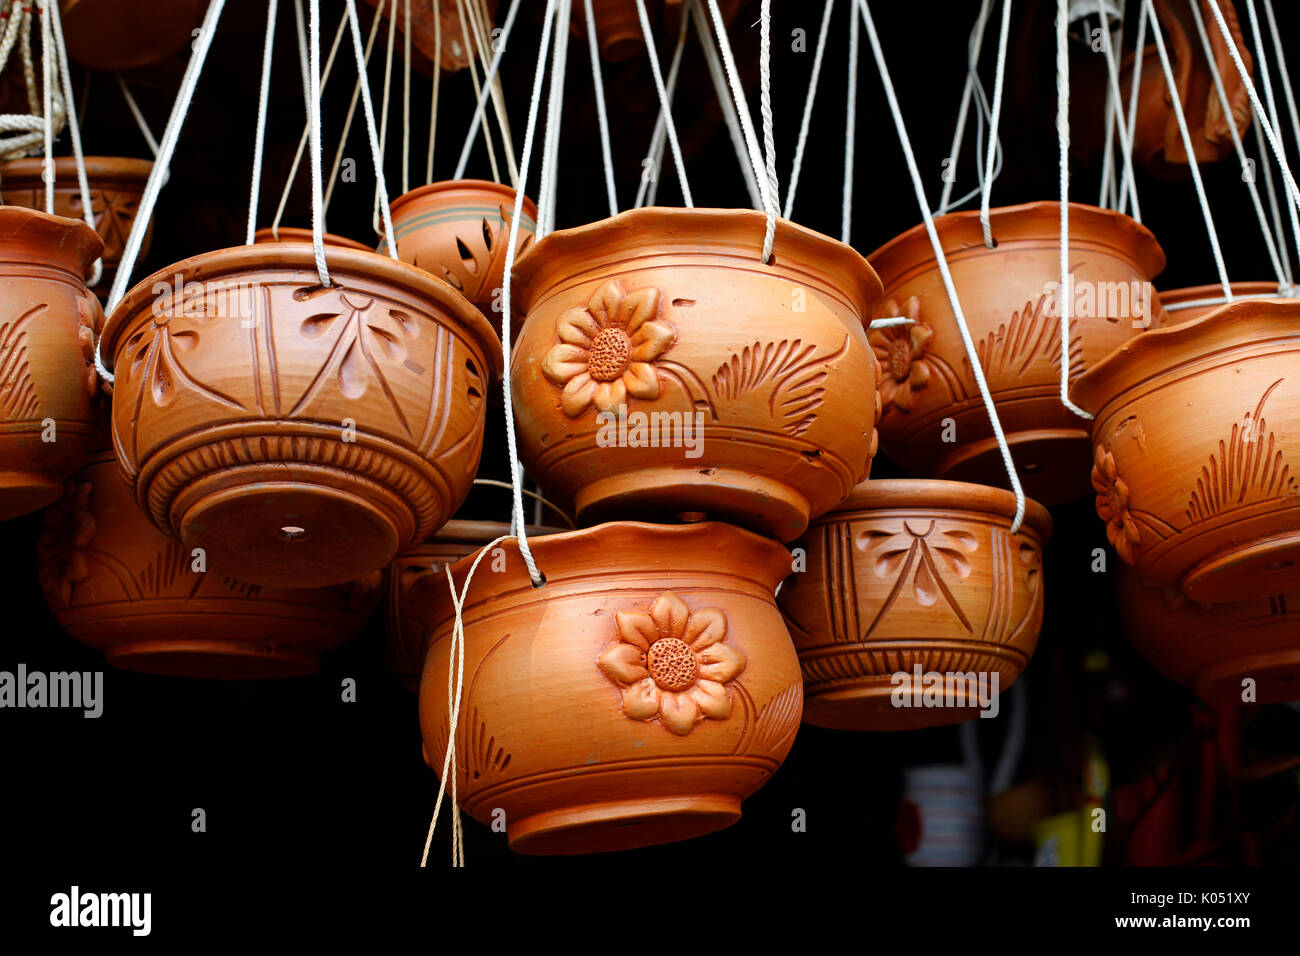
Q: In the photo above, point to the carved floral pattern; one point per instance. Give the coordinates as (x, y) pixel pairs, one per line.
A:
(901, 351)
(1113, 505)
(921, 557)
(672, 663)
(607, 350)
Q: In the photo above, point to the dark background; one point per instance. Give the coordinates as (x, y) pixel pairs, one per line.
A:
(289, 775)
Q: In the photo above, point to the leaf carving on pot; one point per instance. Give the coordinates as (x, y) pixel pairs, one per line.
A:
(1247, 468)
(920, 559)
(18, 399)
(791, 374)
(1031, 336)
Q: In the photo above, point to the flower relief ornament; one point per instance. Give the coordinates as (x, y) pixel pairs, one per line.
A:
(673, 663)
(607, 350)
(901, 351)
(1113, 505)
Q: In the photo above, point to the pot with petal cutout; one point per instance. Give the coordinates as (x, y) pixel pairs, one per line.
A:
(1196, 450)
(635, 698)
(117, 584)
(300, 434)
(913, 575)
(663, 372)
(48, 385)
(934, 423)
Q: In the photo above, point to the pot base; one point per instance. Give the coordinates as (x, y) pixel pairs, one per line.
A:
(1049, 462)
(734, 496)
(1276, 675)
(1255, 570)
(622, 824)
(22, 492)
(217, 659)
(869, 705)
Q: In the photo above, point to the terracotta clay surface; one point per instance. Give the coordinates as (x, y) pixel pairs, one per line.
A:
(669, 317)
(116, 184)
(1009, 296)
(48, 384)
(414, 581)
(1193, 302)
(1197, 440)
(458, 231)
(121, 34)
(299, 234)
(454, 52)
(618, 28)
(114, 582)
(914, 573)
(636, 698)
(301, 435)
(1213, 648)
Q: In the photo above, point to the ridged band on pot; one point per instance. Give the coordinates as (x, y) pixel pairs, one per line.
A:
(301, 435)
(1197, 439)
(1215, 648)
(663, 371)
(636, 698)
(117, 584)
(1193, 302)
(414, 580)
(935, 424)
(299, 234)
(458, 230)
(116, 184)
(909, 574)
(48, 384)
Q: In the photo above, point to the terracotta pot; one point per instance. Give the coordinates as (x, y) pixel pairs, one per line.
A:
(115, 583)
(636, 698)
(1213, 648)
(300, 435)
(121, 34)
(48, 384)
(454, 52)
(414, 581)
(458, 231)
(1196, 432)
(618, 29)
(1009, 297)
(914, 574)
(116, 185)
(298, 234)
(1193, 302)
(670, 315)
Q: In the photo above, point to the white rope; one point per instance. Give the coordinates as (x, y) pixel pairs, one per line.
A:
(1192, 163)
(1128, 185)
(598, 83)
(478, 17)
(313, 105)
(769, 137)
(433, 95)
(976, 41)
(942, 261)
(1125, 140)
(1275, 211)
(664, 103)
(648, 189)
(767, 201)
(850, 131)
(406, 102)
(483, 93)
(986, 189)
(1106, 189)
(376, 154)
(259, 139)
(352, 104)
(1282, 70)
(134, 107)
(47, 113)
(550, 175)
(808, 106)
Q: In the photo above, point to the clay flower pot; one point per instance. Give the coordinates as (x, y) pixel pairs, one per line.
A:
(114, 582)
(1193, 302)
(298, 234)
(300, 435)
(458, 231)
(636, 698)
(122, 34)
(1009, 295)
(116, 184)
(664, 371)
(455, 49)
(1196, 435)
(48, 384)
(414, 581)
(914, 574)
(1213, 648)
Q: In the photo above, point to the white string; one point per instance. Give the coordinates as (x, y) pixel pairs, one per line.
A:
(313, 105)
(976, 41)
(718, 75)
(483, 93)
(767, 201)
(1128, 184)
(769, 138)
(478, 17)
(1125, 140)
(1176, 102)
(376, 154)
(1287, 88)
(1107, 154)
(942, 261)
(352, 104)
(648, 190)
(850, 131)
(986, 190)
(406, 102)
(550, 174)
(1066, 291)
(433, 96)
(134, 107)
(259, 139)
(47, 114)
(664, 103)
(808, 106)
(598, 82)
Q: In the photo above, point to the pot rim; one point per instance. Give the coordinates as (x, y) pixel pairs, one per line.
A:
(343, 261)
(1158, 353)
(304, 234)
(26, 172)
(1246, 289)
(67, 243)
(1028, 220)
(890, 493)
(467, 185)
(471, 530)
(688, 226)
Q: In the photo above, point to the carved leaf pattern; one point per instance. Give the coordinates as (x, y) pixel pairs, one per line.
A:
(792, 371)
(18, 399)
(921, 559)
(1031, 335)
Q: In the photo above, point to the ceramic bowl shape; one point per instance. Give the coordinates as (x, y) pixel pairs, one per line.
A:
(299, 234)
(1193, 302)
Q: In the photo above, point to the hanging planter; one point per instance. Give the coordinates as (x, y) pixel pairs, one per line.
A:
(636, 698)
(299, 234)
(457, 231)
(116, 184)
(47, 335)
(664, 372)
(300, 434)
(934, 422)
(123, 34)
(912, 575)
(1195, 467)
(115, 583)
(1214, 648)
(415, 583)
(1194, 302)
